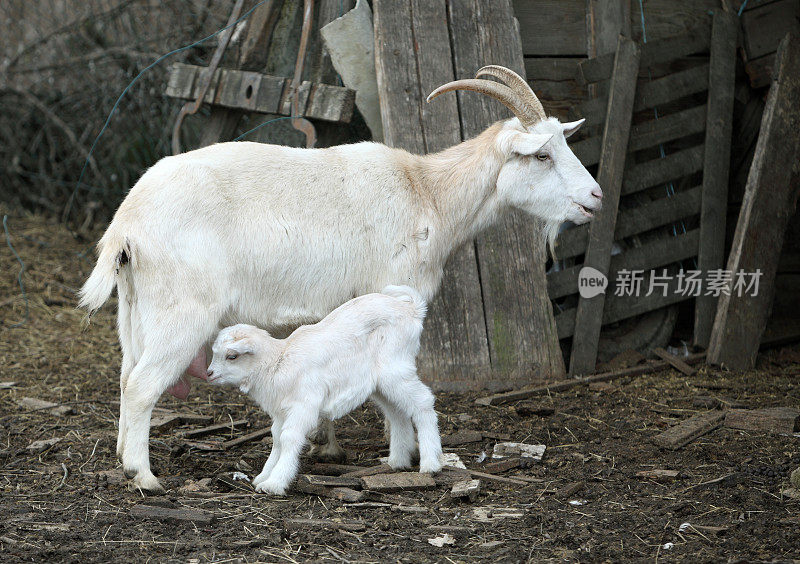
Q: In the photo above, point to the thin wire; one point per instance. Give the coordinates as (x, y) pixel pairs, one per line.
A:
(19, 277)
(260, 126)
(68, 209)
(741, 8)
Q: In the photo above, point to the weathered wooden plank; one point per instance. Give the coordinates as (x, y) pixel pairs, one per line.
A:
(772, 419)
(399, 481)
(650, 255)
(675, 362)
(653, 93)
(688, 430)
(647, 134)
(634, 220)
(618, 308)
(666, 18)
(694, 40)
(511, 255)
(764, 26)
(716, 161)
(609, 176)
(552, 27)
(519, 395)
(413, 57)
(661, 171)
(552, 68)
(770, 199)
(262, 93)
(609, 19)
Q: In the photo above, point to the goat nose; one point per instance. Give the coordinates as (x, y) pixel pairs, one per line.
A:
(597, 193)
(210, 373)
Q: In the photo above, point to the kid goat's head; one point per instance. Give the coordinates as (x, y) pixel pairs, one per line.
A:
(234, 359)
(541, 174)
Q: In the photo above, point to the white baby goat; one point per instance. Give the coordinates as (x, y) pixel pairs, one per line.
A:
(364, 349)
(279, 237)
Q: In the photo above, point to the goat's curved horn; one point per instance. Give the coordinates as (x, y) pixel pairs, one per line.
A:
(517, 84)
(500, 92)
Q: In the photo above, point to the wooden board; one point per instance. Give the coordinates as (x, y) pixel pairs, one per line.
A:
(764, 26)
(412, 54)
(609, 176)
(552, 27)
(716, 161)
(688, 430)
(608, 19)
(511, 255)
(770, 199)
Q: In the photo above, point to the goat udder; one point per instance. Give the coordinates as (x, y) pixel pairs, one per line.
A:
(197, 368)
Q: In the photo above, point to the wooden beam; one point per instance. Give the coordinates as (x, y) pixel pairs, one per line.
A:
(511, 255)
(716, 162)
(610, 19)
(412, 58)
(609, 176)
(769, 202)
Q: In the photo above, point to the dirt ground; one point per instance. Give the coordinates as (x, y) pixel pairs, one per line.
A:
(582, 502)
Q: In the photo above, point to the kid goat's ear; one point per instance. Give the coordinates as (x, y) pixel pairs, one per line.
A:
(528, 143)
(242, 346)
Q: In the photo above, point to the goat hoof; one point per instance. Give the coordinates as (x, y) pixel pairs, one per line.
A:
(326, 453)
(130, 474)
(145, 482)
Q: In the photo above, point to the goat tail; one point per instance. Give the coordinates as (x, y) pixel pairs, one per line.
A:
(408, 294)
(114, 253)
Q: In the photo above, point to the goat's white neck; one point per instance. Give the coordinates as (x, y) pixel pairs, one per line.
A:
(459, 185)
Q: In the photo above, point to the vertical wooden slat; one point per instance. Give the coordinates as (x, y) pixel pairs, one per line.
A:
(770, 199)
(412, 55)
(609, 19)
(601, 232)
(523, 342)
(719, 119)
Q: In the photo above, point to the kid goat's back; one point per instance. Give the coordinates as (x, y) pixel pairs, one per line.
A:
(364, 349)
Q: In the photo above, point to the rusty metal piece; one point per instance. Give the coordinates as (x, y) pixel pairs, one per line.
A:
(299, 123)
(192, 107)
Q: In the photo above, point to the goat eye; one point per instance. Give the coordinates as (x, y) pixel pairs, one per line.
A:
(543, 156)
(232, 357)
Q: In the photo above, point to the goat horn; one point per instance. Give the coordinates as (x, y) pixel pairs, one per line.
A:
(500, 92)
(517, 84)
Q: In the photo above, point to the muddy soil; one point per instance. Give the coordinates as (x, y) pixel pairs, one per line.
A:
(585, 501)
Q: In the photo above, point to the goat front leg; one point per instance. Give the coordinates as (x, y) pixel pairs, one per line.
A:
(294, 431)
(330, 450)
(275, 453)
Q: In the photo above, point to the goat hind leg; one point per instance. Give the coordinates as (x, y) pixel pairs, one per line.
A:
(330, 450)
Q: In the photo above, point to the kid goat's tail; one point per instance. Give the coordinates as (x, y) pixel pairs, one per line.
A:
(408, 294)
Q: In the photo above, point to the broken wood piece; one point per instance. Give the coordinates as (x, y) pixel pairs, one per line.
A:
(462, 437)
(331, 469)
(370, 471)
(261, 93)
(466, 488)
(771, 420)
(561, 385)
(490, 513)
(452, 459)
(521, 450)
(688, 430)
(347, 495)
(675, 362)
(218, 428)
(169, 420)
(297, 524)
(399, 481)
(40, 446)
(210, 446)
(7, 385)
(254, 436)
(501, 465)
(35, 404)
(517, 480)
(570, 489)
(658, 474)
(197, 516)
(330, 481)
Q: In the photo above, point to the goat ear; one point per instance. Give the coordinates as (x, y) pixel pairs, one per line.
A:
(572, 126)
(242, 346)
(529, 143)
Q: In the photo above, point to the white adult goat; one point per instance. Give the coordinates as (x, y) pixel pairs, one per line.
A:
(278, 236)
(364, 349)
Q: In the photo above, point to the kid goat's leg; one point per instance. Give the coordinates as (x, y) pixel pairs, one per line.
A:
(416, 400)
(401, 433)
(275, 453)
(298, 424)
